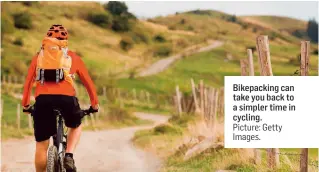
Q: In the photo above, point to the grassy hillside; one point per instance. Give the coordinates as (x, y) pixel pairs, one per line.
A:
(276, 22)
(212, 66)
(100, 47)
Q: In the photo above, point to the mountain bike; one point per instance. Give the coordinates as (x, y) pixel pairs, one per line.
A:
(56, 151)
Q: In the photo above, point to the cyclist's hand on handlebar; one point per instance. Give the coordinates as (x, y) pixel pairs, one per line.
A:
(94, 109)
(27, 109)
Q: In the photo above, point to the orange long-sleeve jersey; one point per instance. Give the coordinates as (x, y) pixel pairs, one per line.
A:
(61, 88)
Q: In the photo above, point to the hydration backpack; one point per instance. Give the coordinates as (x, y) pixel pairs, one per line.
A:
(54, 63)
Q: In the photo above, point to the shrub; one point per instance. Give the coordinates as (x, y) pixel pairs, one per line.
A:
(181, 121)
(253, 48)
(140, 37)
(159, 38)
(100, 19)
(22, 20)
(18, 41)
(190, 28)
(116, 113)
(121, 24)
(183, 21)
(166, 129)
(116, 7)
(132, 73)
(232, 18)
(300, 34)
(129, 15)
(172, 27)
(126, 43)
(315, 52)
(182, 43)
(162, 51)
(30, 3)
(255, 29)
(223, 32)
(68, 16)
(244, 26)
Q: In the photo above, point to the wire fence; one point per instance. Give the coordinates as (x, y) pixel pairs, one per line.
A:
(296, 157)
(297, 72)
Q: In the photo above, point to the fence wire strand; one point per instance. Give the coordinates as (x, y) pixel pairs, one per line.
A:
(294, 157)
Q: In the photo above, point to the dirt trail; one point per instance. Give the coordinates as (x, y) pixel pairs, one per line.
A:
(163, 64)
(98, 151)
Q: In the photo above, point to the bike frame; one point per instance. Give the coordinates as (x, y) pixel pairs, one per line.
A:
(59, 140)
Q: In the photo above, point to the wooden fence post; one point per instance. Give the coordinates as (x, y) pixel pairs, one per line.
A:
(178, 101)
(205, 102)
(195, 96)
(257, 156)
(215, 111)
(86, 121)
(134, 94)
(141, 96)
(29, 121)
(1, 113)
(264, 55)
(148, 97)
(104, 92)
(201, 89)
(250, 62)
(266, 70)
(304, 58)
(304, 69)
(243, 66)
(211, 110)
(304, 160)
(9, 79)
(18, 116)
(3, 79)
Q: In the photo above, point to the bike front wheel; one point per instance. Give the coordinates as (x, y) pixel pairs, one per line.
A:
(52, 163)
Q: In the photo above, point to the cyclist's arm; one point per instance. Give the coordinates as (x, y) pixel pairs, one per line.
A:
(29, 82)
(87, 81)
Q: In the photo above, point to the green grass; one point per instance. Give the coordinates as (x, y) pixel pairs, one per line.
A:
(212, 66)
(9, 123)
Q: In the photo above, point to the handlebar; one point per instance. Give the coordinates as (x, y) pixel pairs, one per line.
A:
(84, 111)
(88, 111)
(30, 110)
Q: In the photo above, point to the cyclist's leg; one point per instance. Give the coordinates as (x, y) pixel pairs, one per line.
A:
(73, 138)
(71, 113)
(44, 128)
(41, 155)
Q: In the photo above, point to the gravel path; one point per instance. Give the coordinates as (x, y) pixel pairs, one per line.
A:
(163, 64)
(98, 151)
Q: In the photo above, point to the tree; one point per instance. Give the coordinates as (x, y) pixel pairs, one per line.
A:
(116, 7)
(100, 19)
(312, 30)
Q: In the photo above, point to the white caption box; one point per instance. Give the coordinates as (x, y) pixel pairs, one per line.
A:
(300, 128)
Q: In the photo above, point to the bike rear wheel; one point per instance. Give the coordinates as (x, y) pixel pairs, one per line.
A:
(52, 163)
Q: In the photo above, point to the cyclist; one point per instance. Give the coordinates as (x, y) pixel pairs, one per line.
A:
(55, 90)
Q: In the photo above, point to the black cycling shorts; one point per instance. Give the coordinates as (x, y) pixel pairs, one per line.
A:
(45, 121)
